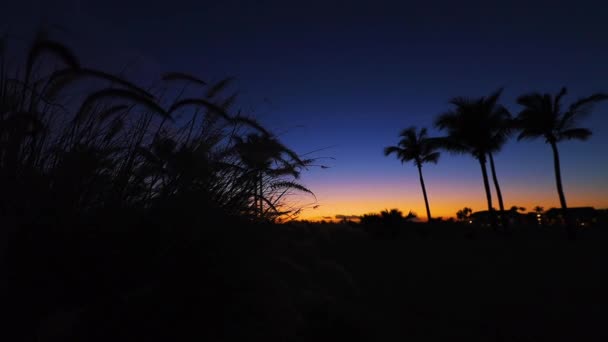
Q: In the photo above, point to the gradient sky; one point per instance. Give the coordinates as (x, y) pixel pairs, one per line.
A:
(348, 76)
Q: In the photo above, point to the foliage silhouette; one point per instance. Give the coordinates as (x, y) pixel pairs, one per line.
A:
(387, 223)
(515, 209)
(122, 146)
(464, 214)
(416, 146)
(476, 127)
(131, 214)
(543, 116)
(135, 205)
(265, 158)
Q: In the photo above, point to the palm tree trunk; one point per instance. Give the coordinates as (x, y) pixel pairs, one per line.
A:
(560, 191)
(558, 177)
(498, 192)
(486, 184)
(426, 200)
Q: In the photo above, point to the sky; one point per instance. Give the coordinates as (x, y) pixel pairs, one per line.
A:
(345, 77)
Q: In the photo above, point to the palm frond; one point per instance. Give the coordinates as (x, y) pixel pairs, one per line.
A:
(575, 133)
(526, 135)
(447, 119)
(431, 158)
(579, 110)
(461, 101)
(492, 99)
(451, 144)
(595, 98)
(414, 145)
(557, 100)
(542, 116)
(530, 100)
(409, 134)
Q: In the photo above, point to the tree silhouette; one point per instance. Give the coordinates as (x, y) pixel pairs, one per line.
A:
(476, 127)
(543, 116)
(418, 147)
(515, 209)
(464, 214)
(264, 155)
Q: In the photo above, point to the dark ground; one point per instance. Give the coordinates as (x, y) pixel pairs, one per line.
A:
(514, 290)
(303, 283)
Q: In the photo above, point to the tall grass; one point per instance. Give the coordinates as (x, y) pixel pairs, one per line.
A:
(76, 141)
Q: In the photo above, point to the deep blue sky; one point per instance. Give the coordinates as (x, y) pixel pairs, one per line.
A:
(349, 76)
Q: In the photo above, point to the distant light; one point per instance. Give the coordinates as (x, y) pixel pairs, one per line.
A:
(537, 215)
(583, 223)
(470, 221)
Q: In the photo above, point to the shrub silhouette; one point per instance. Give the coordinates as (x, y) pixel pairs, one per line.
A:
(387, 223)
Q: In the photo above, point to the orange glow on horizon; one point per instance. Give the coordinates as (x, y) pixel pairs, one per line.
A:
(443, 202)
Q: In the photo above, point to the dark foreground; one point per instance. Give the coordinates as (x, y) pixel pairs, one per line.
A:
(303, 283)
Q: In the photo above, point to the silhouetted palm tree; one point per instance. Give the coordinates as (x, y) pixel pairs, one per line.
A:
(418, 147)
(476, 127)
(543, 116)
